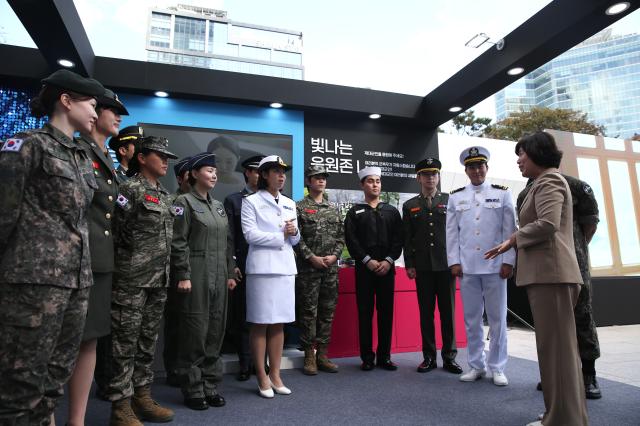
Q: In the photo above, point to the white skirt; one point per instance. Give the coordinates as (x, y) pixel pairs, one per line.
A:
(271, 299)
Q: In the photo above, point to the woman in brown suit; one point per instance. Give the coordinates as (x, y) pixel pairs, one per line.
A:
(548, 267)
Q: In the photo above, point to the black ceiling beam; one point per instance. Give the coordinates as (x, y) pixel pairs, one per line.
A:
(201, 83)
(555, 29)
(55, 27)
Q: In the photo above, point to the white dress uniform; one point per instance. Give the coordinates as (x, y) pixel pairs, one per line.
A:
(271, 265)
(478, 219)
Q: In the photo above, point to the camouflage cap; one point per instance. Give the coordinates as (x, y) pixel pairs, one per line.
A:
(315, 170)
(69, 80)
(152, 143)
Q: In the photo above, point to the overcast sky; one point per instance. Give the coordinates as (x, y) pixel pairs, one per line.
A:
(405, 46)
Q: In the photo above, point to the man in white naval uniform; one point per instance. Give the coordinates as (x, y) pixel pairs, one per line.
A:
(479, 217)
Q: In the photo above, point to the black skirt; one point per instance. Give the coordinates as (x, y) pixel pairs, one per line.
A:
(98, 322)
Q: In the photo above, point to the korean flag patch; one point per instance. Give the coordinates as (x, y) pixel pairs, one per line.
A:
(179, 210)
(122, 201)
(12, 145)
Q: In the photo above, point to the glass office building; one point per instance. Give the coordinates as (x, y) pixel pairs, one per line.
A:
(205, 38)
(600, 77)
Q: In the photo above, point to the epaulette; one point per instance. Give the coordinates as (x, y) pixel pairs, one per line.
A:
(504, 188)
(457, 190)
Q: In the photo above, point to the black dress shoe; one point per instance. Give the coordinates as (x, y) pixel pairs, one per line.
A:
(243, 375)
(367, 366)
(452, 367)
(539, 387)
(196, 403)
(215, 400)
(387, 365)
(591, 388)
(427, 365)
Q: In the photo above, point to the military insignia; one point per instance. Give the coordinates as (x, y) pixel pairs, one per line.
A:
(457, 190)
(359, 211)
(178, 210)
(122, 200)
(12, 145)
(415, 209)
(587, 189)
(151, 198)
(96, 165)
(221, 211)
(504, 188)
(429, 161)
(282, 163)
(311, 211)
(441, 206)
(473, 151)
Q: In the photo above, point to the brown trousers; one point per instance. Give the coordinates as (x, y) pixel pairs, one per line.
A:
(558, 358)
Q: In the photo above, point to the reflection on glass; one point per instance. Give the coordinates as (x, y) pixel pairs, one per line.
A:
(614, 144)
(584, 141)
(624, 212)
(600, 247)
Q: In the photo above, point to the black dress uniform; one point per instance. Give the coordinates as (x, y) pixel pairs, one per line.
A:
(424, 221)
(238, 297)
(374, 233)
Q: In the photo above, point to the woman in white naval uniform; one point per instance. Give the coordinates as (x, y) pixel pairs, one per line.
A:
(270, 228)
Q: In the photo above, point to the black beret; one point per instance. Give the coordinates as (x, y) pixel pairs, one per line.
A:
(69, 80)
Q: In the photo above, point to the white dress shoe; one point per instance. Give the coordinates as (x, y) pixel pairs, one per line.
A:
(499, 379)
(282, 390)
(266, 393)
(473, 375)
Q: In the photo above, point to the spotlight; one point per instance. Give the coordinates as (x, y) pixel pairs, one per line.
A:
(455, 109)
(66, 63)
(374, 116)
(617, 8)
(515, 71)
(275, 105)
(161, 94)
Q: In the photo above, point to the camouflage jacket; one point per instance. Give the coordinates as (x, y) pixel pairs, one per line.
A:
(321, 232)
(585, 211)
(46, 191)
(143, 229)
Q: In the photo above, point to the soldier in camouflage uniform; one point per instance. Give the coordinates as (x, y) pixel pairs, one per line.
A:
(45, 268)
(585, 222)
(320, 247)
(143, 229)
(171, 329)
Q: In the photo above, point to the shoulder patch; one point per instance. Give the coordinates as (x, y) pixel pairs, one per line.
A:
(457, 190)
(587, 189)
(122, 201)
(504, 188)
(12, 145)
(178, 210)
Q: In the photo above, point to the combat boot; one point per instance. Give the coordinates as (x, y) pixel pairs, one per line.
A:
(122, 414)
(310, 368)
(324, 363)
(147, 409)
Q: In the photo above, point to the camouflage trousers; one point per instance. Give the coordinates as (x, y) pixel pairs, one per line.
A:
(136, 313)
(588, 344)
(316, 300)
(40, 331)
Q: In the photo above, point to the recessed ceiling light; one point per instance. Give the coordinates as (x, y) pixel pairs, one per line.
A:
(275, 105)
(618, 8)
(66, 63)
(374, 116)
(455, 109)
(161, 94)
(515, 71)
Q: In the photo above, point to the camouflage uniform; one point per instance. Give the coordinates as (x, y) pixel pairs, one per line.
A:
(122, 174)
(143, 229)
(585, 211)
(45, 269)
(321, 234)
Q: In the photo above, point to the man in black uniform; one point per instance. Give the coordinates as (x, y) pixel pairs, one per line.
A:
(124, 147)
(233, 206)
(424, 219)
(373, 233)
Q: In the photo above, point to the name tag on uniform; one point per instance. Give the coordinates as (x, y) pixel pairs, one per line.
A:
(287, 207)
(151, 198)
(415, 209)
(359, 211)
(492, 200)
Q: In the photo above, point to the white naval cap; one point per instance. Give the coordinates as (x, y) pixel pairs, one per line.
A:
(369, 171)
(474, 154)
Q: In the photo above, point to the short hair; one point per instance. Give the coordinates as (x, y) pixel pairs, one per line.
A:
(541, 148)
(117, 151)
(262, 182)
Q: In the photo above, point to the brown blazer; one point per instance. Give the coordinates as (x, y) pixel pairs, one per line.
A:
(546, 253)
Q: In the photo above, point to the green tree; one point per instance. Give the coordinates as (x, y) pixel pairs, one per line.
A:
(537, 119)
(467, 123)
